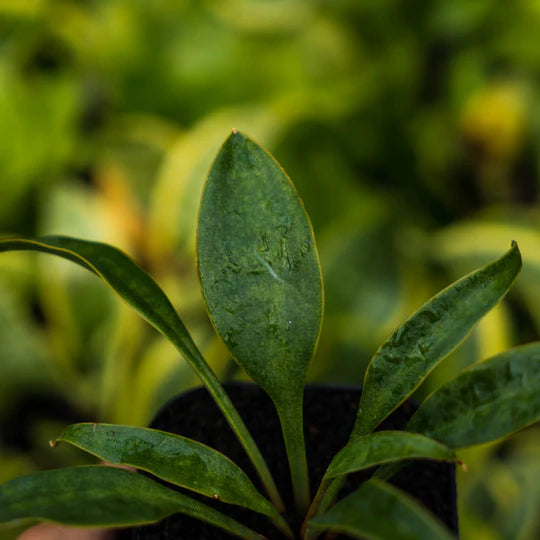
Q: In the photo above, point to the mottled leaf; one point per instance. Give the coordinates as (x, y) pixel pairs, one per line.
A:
(380, 511)
(261, 277)
(258, 267)
(485, 402)
(99, 496)
(173, 458)
(385, 447)
(431, 333)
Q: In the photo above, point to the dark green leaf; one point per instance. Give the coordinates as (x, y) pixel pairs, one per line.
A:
(380, 511)
(385, 447)
(259, 268)
(99, 496)
(123, 275)
(414, 350)
(486, 402)
(172, 458)
(261, 279)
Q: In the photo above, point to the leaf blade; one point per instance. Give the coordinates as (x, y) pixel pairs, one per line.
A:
(100, 496)
(377, 510)
(432, 332)
(485, 402)
(257, 257)
(261, 280)
(121, 274)
(173, 458)
(386, 447)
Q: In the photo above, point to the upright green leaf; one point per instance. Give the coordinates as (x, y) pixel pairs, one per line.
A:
(173, 458)
(142, 293)
(99, 496)
(386, 447)
(382, 512)
(431, 333)
(383, 447)
(486, 402)
(261, 280)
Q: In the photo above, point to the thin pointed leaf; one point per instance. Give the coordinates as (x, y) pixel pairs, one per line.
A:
(380, 511)
(142, 293)
(386, 447)
(430, 334)
(173, 458)
(123, 275)
(261, 280)
(99, 496)
(488, 401)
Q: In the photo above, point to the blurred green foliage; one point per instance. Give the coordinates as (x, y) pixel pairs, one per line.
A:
(411, 130)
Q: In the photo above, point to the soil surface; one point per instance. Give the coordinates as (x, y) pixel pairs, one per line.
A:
(329, 415)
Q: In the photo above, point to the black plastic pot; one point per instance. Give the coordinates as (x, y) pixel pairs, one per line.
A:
(329, 415)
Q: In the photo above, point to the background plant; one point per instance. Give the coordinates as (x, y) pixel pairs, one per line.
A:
(112, 111)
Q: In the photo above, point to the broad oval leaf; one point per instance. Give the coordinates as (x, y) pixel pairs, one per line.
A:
(416, 347)
(386, 447)
(261, 280)
(259, 268)
(173, 458)
(99, 496)
(379, 511)
(142, 293)
(485, 402)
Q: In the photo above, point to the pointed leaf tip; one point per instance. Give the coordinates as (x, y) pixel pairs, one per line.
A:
(173, 458)
(259, 267)
(386, 447)
(429, 335)
(102, 496)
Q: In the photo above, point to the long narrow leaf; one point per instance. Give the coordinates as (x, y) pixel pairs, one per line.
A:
(176, 459)
(488, 401)
(386, 447)
(261, 280)
(431, 333)
(141, 292)
(124, 276)
(99, 496)
(382, 512)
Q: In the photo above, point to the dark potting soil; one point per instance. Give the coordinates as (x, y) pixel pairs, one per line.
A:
(329, 415)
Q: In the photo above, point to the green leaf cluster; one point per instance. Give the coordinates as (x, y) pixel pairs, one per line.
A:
(261, 280)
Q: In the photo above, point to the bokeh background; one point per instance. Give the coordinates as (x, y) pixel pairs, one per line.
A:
(410, 128)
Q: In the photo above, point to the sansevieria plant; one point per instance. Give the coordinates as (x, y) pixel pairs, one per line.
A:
(261, 280)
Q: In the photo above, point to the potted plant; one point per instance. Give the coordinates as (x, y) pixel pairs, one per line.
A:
(261, 281)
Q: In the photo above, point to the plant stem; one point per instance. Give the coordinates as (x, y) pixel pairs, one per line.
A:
(329, 488)
(207, 376)
(309, 534)
(292, 425)
(326, 495)
(325, 482)
(237, 424)
(283, 526)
